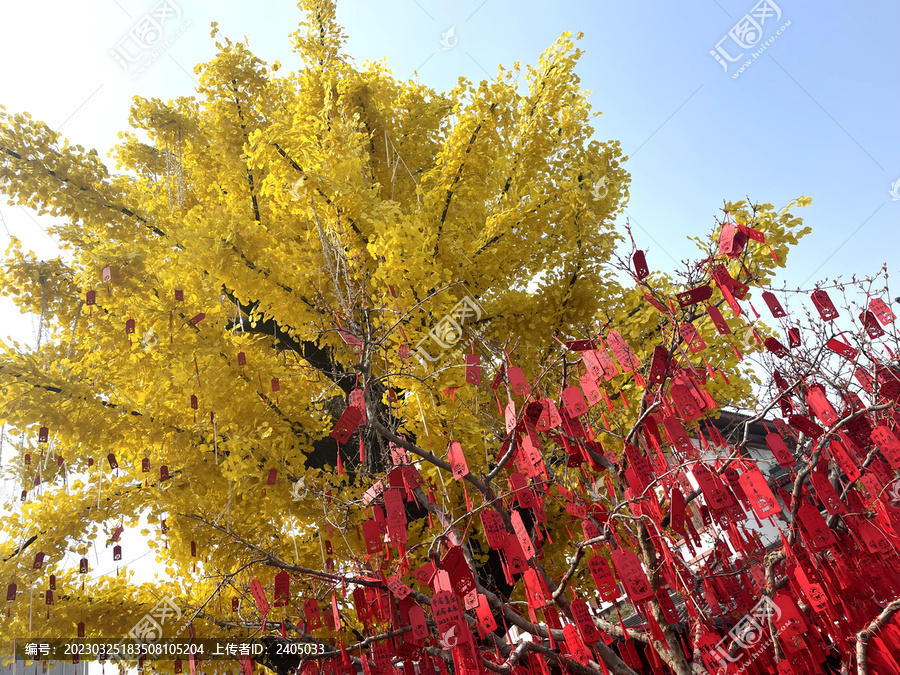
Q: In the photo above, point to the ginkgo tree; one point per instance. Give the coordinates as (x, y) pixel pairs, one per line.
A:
(371, 368)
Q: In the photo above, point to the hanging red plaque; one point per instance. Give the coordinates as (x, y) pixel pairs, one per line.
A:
(610, 370)
(522, 535)
(718, 320)
(574, 401)
(685, 403)
(758, 492)
(870, 325)
(346, 425)
(717, 495)
(582, 616)
(473, 369)
(282, 589)
(780, 450)
(640, 265)
(774, 345)
(312, 613)
(629, 569)
(658, 365)
(622, 351)
(888, 444)
(820, 406)
(447, 613)
(580, 345)
(494, 531)
(819, 536)
(457, 460)
(882, 311)
(694, 295)
(397, 587)
(826, 493)
(842, 348)
(485, 615)
(517, 381)
(806, 426)
(676, 511)
(824, 305)
(773, 304)
(603, 579)
(591, 392)
(692, 338)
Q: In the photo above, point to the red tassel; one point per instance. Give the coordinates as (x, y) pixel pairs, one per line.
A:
(608, 401)
(668, 408)
(639, 381)
(621, 623)
(684, 647)
(610, 490)
(340, 464)
(622, 396)
(719, 435)
(702, 438)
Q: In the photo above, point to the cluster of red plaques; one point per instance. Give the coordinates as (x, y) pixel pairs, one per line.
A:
(837, 579)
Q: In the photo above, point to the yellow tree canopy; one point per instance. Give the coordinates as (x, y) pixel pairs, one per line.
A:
(280, 247)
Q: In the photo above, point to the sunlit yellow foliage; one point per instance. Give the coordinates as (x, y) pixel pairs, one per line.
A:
(282, 208)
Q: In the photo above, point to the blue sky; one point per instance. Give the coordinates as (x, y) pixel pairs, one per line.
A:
(816, 114)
